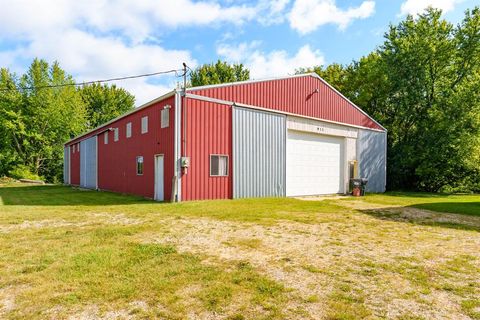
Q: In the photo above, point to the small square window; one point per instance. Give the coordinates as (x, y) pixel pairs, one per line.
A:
(128, 130)
(144, 124)
(165, 117)
(139, 166)
(115, 134)
(105, 137)
(218, 165)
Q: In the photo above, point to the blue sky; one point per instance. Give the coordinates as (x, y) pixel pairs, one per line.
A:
(97, 39)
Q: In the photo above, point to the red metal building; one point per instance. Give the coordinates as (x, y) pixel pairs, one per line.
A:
(244, 139)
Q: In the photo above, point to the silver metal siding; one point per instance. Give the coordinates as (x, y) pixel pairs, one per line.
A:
(88, 163)
(66, 165)
(372, 159)
(259, 142)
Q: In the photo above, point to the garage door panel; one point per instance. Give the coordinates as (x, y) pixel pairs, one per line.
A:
(314, 164)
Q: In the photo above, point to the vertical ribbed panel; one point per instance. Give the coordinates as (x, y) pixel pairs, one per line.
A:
(66, 165)
(88, 163)
(209, 132)
(117, 169)
(259, 153)
(303, 95)
(372, 159)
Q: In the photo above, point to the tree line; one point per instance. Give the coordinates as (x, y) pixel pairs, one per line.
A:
(422, 83)
(41, 110)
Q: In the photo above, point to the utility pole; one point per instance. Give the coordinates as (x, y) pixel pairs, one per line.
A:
(184, 77)
(185, 160)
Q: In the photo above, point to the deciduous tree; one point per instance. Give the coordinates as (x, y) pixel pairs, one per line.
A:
(219, 72)
(105, 102)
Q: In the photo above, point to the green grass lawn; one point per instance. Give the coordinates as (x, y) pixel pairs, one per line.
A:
(463, 204)
(86, 254)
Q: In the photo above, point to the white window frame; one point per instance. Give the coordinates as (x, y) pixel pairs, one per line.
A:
(105, 137)
(144, 124)
(116, 134)
(227, 163)
(136, 165)
(165, 117)
(128, 130)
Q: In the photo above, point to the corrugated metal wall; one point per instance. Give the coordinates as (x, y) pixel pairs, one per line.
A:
(371, 152)
(209, 131)
(297, 95)
(88, 163)
(117, 159)
(258, 153)
(66, 165)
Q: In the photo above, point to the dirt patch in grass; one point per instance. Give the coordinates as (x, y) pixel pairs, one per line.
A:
(7, 300)
(95, 218)
(8, 297)
(135, 310)
(427, 217)
(358, 267)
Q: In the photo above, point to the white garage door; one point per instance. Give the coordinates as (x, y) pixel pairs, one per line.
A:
(314, 164)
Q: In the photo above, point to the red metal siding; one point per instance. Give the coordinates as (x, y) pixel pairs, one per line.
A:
(209, 131)
(75, 165)
(294, 95)
(117, 160)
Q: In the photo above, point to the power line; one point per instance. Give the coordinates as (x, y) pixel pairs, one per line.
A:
(95, 81)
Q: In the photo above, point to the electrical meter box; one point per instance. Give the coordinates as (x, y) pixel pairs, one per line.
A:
(185, 162)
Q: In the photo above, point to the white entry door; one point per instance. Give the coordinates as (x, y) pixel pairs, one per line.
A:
(159, 191)
(315, 164)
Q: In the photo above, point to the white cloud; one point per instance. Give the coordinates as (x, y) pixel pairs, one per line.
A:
(307, 15)
(92, 58)
(272, 11)
(418, 6)
(89, 58)
(271, 64)
(97, 39)
(136, 19)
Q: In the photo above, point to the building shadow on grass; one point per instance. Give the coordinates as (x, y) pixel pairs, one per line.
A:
(462, 215)
(58, 195)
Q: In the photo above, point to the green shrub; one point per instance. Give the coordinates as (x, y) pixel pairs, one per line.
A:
(23, 172)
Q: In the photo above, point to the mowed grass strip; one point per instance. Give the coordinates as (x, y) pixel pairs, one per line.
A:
(71, 203)
(468, 204)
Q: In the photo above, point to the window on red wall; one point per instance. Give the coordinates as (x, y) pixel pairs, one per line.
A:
(115, 134)
(128, 130)
(165, 117)
(144, 124)
(218, 165)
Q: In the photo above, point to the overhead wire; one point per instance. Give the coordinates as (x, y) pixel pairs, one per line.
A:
(76, 84)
